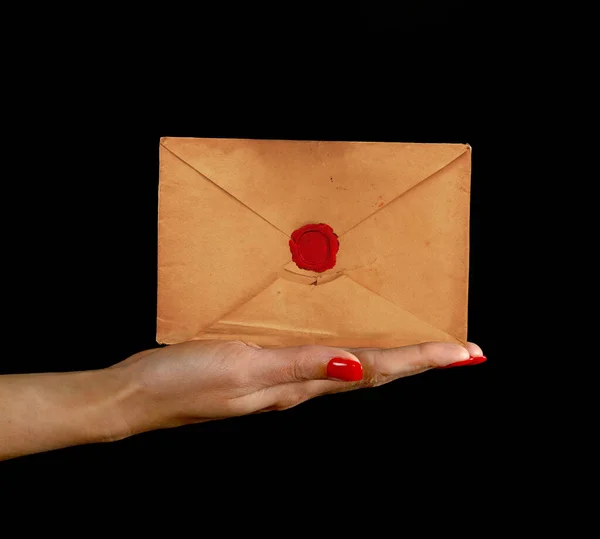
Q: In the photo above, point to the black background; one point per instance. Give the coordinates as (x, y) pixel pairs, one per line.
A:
(82, 251)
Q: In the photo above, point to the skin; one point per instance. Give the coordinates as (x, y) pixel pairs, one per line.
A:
(188, 383)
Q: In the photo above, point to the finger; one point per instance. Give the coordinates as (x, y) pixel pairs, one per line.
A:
(474, 350)
(476, 357)
(285, 365)
(284, 396)
(382, 366)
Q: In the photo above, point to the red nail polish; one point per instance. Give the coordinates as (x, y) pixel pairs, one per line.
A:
(471, 361)
(344, 369)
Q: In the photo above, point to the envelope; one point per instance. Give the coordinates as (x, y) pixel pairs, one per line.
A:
(232, 211)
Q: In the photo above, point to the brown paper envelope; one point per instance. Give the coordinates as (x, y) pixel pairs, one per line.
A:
(227, 208)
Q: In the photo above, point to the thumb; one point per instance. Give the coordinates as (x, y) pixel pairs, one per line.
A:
(299, 363)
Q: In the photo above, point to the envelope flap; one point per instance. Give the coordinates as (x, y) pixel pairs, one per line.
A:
(338, 313)
(292, 183)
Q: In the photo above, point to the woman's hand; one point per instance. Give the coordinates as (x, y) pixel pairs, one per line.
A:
(202, 380)
(194, 382)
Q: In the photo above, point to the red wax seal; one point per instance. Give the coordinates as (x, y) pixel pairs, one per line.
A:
(314, 247)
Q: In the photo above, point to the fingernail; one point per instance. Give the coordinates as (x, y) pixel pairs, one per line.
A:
(344, 369)
(471, 361)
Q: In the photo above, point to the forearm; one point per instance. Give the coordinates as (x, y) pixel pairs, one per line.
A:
(39, 412)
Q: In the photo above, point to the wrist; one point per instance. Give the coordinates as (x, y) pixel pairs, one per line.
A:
(127, 411)
(101, 416)
(135, 408)
(112, 406)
